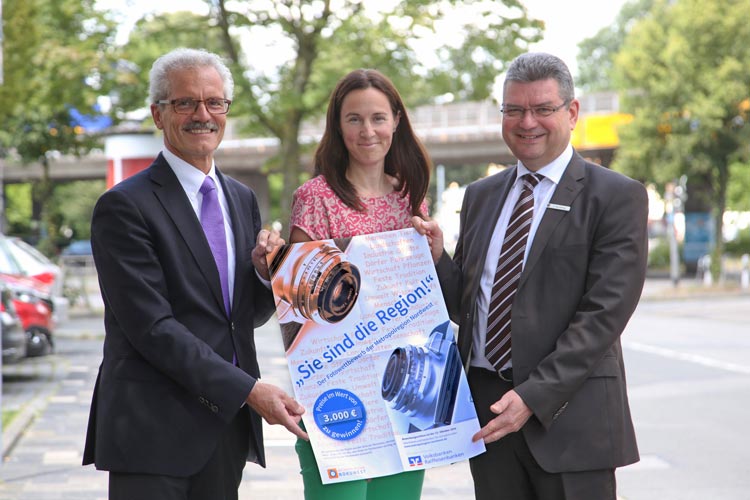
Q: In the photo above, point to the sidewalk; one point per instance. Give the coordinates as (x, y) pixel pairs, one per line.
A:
(42, 447)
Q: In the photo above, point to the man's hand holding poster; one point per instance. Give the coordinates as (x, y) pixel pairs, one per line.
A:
(372, 355)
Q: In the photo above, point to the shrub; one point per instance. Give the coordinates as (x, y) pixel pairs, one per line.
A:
(740, 245)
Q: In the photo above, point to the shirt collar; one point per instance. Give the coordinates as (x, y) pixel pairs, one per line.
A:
(190, 177)
(554, 170)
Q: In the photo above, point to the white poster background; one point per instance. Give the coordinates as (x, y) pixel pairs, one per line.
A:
(380, 377)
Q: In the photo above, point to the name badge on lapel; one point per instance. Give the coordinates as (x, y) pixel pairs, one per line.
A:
(562, 208)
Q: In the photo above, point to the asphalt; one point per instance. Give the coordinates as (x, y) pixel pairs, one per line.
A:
(42, 446)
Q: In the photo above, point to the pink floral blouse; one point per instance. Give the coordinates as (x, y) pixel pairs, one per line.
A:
(321, 214)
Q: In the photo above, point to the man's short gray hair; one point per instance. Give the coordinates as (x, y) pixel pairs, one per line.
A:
(535, 66)
(184, 58)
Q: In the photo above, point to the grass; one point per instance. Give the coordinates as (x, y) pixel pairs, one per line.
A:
(8, 416)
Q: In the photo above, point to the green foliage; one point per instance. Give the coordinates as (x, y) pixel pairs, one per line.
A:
(658, 255)
(596, 54)
(738, 191)
(55, 55)
(324, 44)
(683, 75)
(70, 207)
(18, 209)
(73, 204)
(740, 245)
(8, 416)
(151, 37)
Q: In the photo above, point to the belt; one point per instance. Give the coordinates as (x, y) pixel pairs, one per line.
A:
(505, 375)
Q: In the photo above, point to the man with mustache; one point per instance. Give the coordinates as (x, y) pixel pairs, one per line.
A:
(180, 253)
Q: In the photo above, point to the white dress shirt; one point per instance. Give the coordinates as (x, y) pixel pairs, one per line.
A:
(542, 195)
(191, 179)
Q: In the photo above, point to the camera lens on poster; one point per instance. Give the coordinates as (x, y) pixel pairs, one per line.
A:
(421, 382)
(318, 283)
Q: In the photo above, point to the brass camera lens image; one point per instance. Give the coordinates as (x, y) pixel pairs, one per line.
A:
(317, 283)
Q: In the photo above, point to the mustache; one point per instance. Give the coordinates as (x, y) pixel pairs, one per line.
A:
(201, 126)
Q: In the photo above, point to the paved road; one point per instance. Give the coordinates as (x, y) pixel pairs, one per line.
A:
(689, 381)
(43, 454)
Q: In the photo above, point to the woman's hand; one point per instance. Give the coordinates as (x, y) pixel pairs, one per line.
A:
(434, 234)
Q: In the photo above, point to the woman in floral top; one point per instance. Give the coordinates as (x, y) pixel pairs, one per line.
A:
(372, 174)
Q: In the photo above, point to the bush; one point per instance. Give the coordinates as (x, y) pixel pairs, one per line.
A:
(658, 255)
(740, 245)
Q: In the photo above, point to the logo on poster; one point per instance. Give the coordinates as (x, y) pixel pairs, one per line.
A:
(415, 461)
(333, 474)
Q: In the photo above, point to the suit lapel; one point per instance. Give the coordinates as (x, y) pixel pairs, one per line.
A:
(493, 200)
(170, 194)
(238, 229)
(570, 186)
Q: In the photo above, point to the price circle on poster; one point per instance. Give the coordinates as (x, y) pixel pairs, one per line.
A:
(340, 414)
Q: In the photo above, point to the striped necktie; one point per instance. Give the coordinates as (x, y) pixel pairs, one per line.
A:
(507, 274)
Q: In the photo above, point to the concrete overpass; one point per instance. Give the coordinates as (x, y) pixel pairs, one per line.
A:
(455, 135)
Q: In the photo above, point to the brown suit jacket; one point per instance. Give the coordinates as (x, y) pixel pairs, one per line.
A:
(580, 285)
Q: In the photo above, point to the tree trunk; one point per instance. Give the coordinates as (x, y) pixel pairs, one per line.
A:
(289, 161)
(41, 192)
(720, 205)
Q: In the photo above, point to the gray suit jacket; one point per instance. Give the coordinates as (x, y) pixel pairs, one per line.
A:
(580, 285)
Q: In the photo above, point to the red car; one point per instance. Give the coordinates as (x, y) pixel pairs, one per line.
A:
(32, 302)
(36, 265)
(13, 337)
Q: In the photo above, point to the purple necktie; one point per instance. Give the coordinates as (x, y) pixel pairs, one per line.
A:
(213, 225)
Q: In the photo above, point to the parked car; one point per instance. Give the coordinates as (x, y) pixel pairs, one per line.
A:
(36, 265)
(13, 337)
(77, 247)
(35, 311)
(32, 302)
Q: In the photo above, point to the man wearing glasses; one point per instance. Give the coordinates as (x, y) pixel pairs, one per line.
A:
(549, 266)
(180, 254)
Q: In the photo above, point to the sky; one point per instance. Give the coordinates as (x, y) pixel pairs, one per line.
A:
(567, 22)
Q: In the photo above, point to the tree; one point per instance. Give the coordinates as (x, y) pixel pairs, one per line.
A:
(738, 191)
(150, 38)
(55, 53)
(596, 54)
(683, 74)
(323, 44)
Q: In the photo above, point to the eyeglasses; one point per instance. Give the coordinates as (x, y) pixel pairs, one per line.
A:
(536, 111)
(188, 105)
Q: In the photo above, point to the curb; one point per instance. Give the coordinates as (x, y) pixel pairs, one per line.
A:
(692, 292)
(27, 414)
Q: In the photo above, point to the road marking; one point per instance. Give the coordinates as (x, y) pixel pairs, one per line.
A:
(691, 358)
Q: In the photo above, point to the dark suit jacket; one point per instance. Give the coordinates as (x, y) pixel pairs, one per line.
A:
(167, 386)
(580, 285)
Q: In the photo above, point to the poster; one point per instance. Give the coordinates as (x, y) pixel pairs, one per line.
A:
(372, 355)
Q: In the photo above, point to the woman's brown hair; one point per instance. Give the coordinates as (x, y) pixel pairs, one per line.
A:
(407, 159)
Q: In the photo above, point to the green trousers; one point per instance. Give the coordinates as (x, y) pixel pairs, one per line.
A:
(403, 486)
